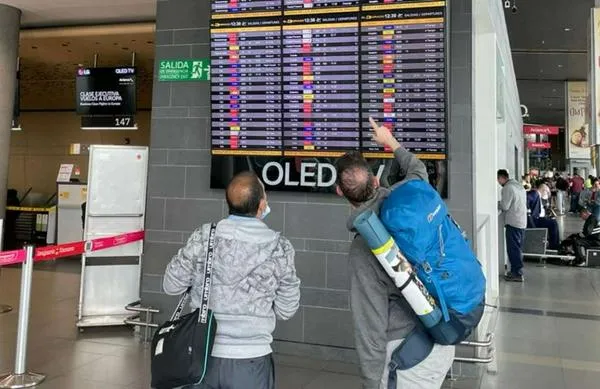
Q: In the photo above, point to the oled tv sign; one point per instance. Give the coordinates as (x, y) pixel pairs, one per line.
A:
(106, 91)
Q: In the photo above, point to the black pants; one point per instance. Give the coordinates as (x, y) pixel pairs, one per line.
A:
(578, 246)
(254, 373)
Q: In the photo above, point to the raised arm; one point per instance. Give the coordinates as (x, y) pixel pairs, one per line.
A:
(410, 166)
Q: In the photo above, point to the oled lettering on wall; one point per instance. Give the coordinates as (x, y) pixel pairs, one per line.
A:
(184, 70)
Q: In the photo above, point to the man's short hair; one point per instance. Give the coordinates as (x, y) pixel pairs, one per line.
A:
(355, 178)
(503, 173)
(244, 193)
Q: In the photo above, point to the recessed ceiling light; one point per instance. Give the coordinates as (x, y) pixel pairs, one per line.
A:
(567, 29)
(560, 66)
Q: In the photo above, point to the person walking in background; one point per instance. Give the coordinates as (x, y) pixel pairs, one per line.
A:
(254, 282)
(576, 189)
(562, 186)
(587, 184)
(514, 208)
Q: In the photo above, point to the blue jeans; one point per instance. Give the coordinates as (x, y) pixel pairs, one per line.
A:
(514, 248)
(574, 202)
(552, 226)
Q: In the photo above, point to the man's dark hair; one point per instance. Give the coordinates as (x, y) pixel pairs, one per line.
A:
(244, 194)
(355, 178)
(503, 173)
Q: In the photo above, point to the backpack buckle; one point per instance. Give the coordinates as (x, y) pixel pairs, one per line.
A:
(426, 267)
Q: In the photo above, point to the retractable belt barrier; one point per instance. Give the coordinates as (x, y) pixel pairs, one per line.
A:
(69, 249)
(20, 377)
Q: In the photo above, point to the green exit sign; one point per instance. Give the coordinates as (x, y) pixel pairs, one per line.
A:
(184, 70)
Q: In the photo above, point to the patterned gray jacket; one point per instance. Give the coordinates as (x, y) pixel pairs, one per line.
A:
(254, 282)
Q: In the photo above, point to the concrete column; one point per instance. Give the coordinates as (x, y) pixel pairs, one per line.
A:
(10, 24)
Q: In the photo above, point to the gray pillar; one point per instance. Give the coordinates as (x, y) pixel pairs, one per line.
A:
(10, 24)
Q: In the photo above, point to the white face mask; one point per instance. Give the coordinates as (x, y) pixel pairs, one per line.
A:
(265, 213)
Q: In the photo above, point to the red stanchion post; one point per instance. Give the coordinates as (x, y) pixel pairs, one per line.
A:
(21, 378)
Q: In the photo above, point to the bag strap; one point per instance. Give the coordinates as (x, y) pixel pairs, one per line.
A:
(207, 275)
(207, 282)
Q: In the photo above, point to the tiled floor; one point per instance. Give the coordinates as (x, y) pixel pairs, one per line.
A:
(548, 336)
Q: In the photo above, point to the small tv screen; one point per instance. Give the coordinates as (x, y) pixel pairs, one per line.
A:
(106, 91)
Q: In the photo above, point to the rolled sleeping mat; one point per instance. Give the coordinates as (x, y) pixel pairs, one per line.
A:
(387, 252)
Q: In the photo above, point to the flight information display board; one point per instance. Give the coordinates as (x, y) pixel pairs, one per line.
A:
(321, 85)
(300, 78)
(246, 87)
(403, 77)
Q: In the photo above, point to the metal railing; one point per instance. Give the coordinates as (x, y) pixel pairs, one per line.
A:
(136, 320)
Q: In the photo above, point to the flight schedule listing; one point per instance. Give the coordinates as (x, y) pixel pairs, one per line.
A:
(403, 77)
(301, 78)
(222, 8)
(321, 100)
(246, 87)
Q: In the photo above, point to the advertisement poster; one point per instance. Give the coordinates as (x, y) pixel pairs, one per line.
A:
(577, 131)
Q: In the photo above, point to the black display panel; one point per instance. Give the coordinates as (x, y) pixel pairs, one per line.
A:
(403, 77)
(106, 91)
(246, 87)
(316, 5)
(220, 8)
(326, 66)
(321, 85)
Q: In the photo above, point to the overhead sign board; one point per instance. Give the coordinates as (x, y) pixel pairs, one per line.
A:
(540, 130)
(184, 70)
(538, 145)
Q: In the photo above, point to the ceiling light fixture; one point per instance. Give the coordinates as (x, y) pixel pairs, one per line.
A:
(567, 29)
(560, 66)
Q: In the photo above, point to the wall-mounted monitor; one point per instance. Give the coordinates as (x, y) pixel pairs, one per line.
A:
(106, 91)
(294, 82)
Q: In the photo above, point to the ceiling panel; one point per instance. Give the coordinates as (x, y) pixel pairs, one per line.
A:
(550, 66)
(541, 24)
(44, 13)
(549, 42)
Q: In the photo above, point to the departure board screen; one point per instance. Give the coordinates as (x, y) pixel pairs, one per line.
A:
(403, 77)
(321, 85)
(300, 78)
(223, 8)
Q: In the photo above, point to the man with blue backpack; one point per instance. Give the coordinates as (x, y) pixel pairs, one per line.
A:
(396, 349)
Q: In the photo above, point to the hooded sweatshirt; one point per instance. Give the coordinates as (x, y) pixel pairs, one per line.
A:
(254, 282)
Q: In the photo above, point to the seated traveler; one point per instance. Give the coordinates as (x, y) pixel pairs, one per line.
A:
(537, 218)
(578, 244)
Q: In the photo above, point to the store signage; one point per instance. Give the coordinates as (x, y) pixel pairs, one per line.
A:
(538, 145)
(540, 130)
(184, 70)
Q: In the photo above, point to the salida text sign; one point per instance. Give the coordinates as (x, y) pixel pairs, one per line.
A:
(184, 70)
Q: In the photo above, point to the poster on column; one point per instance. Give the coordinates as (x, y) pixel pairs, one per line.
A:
(578, 137)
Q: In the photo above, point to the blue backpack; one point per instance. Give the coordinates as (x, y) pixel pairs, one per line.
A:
(417, 218)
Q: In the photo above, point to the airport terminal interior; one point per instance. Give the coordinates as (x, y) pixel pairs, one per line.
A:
(123, 121)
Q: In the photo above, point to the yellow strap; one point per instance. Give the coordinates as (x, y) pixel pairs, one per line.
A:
(386, 247)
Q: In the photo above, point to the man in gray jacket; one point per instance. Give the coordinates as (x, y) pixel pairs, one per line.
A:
(514, 208)
(254, 282)
(382, 317)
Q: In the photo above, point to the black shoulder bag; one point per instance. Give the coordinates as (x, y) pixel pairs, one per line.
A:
(181, 347)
